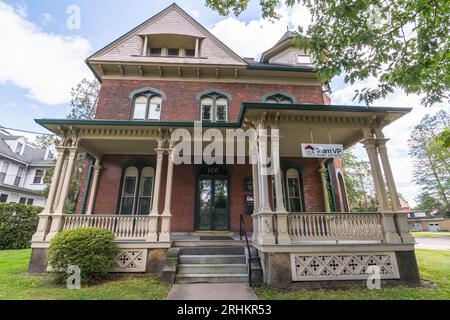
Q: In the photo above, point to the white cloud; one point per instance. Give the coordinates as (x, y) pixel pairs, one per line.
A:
(195, 13)
(46, 65)
(256, 36)
(46, 18)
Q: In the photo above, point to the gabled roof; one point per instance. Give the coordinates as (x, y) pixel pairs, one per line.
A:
(31, 155)
(121, 48)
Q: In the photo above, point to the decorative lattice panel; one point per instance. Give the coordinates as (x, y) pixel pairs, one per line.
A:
(342, 266)
(131, 260)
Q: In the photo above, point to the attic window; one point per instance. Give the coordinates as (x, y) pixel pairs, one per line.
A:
(19, 148)
(155, 51)
(190, 52)
(173, 52)
(303, 59)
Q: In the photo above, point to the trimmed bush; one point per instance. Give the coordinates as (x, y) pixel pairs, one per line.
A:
(18, 223)
(91, 249)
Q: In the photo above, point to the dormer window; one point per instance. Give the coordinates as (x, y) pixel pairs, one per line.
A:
(278, 98)
(147, 104)
(174, 52)
(214, 107)
(190, 52)
(155, 51)
(19, 147)
(171, 45)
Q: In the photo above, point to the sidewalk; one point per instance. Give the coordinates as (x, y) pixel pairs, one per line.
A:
(212, 291)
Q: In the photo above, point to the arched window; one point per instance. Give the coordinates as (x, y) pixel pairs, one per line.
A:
(214, 107)
(137, 190)
(147, 104)
(278, 98)
(292, 191)
(345, 207)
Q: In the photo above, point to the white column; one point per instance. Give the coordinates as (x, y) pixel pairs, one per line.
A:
(94, 187)
(256, 200)
(389, 227)
(266, 230)
(154, 214)
(44, 218)
(166, 216)
(323, 172)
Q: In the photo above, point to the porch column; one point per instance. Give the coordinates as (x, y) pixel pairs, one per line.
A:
(401, 218)
(266, 232)
(94, 187)
(281, 212)
(166, 216)
(60, 182)
(57, 218)
(255, 199)
(43, 216)
(380, 189)
(323, 172)
(154, 214)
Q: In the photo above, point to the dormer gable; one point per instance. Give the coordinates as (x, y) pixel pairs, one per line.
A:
(170, 37)
(285, 52)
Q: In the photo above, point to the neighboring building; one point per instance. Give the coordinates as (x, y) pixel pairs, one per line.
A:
(170, 73)
(425, 221)
(22, 170)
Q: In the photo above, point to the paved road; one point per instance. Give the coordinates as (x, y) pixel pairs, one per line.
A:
(212, 291)
(433, 243)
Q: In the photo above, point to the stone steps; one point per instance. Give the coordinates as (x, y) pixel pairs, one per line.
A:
(212, 264)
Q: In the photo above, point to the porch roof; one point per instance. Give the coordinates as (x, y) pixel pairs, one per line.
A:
(387, 114)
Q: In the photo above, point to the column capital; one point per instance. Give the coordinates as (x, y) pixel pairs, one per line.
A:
(97, 168)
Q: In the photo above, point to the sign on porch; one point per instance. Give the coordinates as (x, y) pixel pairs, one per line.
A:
(311, 150)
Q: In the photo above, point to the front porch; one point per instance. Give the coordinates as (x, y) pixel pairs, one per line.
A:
(314, 244)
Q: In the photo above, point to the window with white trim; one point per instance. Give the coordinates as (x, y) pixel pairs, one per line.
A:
(294, 192)
(214, 108)
(137, 191)
(147, 106)
(38, 176)
(3, 171)
(19, 174)
(3, 198)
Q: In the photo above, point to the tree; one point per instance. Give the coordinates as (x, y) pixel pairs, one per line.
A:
(431, 161)
(401, 43)
(84, 97)
(359, 183)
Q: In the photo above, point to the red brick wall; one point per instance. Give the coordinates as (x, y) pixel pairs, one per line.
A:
(183, 196)
(181, 103)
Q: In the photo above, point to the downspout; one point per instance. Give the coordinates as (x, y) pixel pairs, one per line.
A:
(87, 184)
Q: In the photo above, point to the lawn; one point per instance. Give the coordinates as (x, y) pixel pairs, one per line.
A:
(443, 234)
(16, 284)
(434, 266)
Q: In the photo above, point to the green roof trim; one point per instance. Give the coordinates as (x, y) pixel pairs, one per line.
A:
(245, 106)
(279, 67)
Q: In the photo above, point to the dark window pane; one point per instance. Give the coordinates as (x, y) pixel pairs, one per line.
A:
(295, 205)
(293, 188)
(3, 197)
(30, 202)
(173, 52)
(146, 186)
(129, 186)
(221, 113)
(38, 176)
(190, 52)
(144, 206)
(2, 177)
(22, 200)
(206, 113)
(127, 205)
(155, 51)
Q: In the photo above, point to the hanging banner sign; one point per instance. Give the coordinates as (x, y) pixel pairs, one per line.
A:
(311, 150)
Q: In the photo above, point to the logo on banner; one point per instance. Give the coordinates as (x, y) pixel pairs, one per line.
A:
(311, 150)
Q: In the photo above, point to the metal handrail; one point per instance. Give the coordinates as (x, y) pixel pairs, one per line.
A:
(243, 232)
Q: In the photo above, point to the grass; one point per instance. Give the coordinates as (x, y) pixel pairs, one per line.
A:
(16, 284)
(434, 266)
(442, 234)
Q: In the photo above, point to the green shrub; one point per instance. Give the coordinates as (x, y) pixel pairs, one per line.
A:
(91, 249)
(18, 223)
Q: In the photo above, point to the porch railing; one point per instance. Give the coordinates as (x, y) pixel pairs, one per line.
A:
(123, 227)
(335, 226)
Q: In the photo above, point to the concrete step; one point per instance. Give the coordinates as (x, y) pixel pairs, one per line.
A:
(209, 243)
(212, 251)
(212, 259)
(212, 269)
(211, 278)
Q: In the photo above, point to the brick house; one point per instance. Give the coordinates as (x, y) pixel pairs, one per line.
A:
(169, 76)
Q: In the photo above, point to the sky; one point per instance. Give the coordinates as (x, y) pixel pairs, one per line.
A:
(43, 50)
